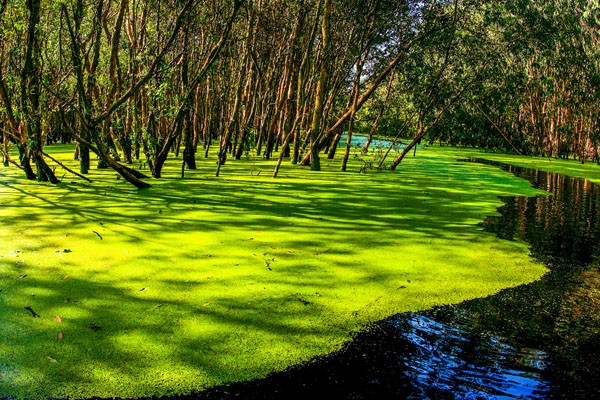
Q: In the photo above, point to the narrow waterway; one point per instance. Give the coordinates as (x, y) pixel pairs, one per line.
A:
(537, 341)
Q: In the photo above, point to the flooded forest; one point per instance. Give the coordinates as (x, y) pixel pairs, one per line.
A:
(291, 199)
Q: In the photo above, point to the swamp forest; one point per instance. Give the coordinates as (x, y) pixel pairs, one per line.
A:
(286, 199)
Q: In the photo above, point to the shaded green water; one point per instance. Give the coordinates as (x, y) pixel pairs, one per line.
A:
(203, 281)
(537, 341)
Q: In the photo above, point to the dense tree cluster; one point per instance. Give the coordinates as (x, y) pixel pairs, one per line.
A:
(542, 92)
(138, 79)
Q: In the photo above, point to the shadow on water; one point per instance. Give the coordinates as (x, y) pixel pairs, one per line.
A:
(537, 341)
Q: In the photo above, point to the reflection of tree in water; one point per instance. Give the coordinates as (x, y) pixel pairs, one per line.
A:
(561, 228)
(558, 314)
(554, 321)
(537, 341)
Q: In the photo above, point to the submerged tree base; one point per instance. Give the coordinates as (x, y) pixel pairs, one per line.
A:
(202, 281)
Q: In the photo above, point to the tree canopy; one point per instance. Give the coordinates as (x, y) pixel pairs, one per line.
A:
(138, 79)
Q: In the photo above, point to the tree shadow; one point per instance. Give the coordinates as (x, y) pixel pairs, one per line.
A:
(209, 280)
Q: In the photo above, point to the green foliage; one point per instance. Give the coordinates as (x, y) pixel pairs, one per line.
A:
(541, 80)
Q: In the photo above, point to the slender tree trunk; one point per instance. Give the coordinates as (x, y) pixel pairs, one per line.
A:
(189, 151)
(355, 94)
(30, 95)
(395, 141)
(5, 153)
(226, 140)
(15, 130)
(374, 85)
(420, 134)
(380, 114)
(314, 134)
(334, 144)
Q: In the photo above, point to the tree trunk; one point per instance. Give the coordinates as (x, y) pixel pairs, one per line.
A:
(356, 91)
(377, 121)
(189, 151)
(420, 133)
(314, 134)
(30, 95)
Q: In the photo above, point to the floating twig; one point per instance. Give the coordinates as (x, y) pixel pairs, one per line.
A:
(33, 313)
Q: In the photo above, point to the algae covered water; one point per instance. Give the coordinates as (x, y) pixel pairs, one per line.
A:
(537, 341)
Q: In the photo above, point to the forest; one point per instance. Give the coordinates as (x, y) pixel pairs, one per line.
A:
(133, 81)
(292, 199)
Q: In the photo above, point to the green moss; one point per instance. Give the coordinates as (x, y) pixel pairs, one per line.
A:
(205, 280)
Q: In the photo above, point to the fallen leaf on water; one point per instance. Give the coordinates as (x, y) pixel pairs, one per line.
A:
(58, 319)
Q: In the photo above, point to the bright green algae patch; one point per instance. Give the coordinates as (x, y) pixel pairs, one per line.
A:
(204, 280)
(571, 167)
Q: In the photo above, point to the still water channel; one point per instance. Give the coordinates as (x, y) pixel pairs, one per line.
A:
(537, 341)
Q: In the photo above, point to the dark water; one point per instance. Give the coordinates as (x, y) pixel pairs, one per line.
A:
(537, 341)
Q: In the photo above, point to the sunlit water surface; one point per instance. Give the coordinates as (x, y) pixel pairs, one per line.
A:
(537, 341)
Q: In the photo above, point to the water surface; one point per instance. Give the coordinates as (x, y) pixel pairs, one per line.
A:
(537, 341)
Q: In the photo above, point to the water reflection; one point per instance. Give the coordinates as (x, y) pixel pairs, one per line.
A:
(562, 229)
(449, 359)
(537, 341)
